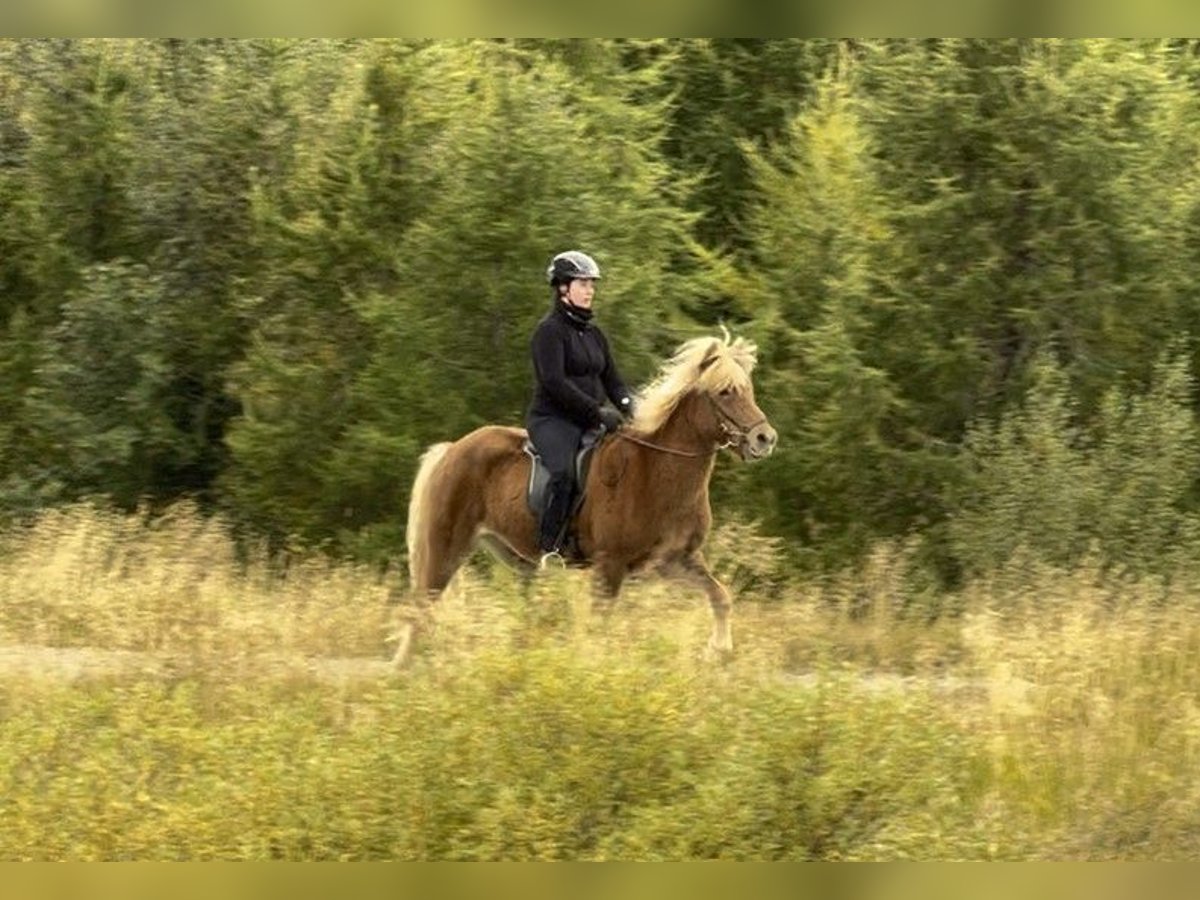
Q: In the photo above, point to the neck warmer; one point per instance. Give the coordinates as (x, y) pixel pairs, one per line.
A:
(576, 315)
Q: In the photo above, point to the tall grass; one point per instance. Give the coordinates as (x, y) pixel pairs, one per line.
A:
(252, 714)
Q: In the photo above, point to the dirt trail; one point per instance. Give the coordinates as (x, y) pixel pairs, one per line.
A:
(75, 663)
(35, 661)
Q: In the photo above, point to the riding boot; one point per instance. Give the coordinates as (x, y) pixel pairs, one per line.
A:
(554, 516)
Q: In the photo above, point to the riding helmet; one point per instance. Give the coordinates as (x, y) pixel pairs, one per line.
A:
(569, 265)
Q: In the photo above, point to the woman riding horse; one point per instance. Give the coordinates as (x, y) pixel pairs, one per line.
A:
(646, 508)
(574, 374)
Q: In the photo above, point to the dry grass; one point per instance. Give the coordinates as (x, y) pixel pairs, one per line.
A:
(243, 709)
(173, 587)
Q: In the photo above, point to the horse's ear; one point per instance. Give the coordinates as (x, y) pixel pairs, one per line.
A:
(710, 355)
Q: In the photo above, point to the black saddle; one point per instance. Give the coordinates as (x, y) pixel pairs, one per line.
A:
(539, 475)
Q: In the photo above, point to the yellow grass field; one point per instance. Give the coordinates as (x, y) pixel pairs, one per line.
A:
(163, 699)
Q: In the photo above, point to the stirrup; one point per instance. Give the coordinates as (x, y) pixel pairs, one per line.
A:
(552, 559)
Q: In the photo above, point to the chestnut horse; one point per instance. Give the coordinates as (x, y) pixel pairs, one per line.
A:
(646, 504)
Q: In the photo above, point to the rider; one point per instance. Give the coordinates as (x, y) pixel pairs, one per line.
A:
(574, 374)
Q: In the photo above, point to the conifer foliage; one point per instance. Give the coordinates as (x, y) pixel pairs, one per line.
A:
(265, 274)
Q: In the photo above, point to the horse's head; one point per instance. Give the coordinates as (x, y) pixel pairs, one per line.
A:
(706, 389)
(723, 378)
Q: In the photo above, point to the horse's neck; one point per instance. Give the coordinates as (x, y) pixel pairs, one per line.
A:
(679, 432)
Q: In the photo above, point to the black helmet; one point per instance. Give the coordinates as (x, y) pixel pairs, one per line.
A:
(569, 265)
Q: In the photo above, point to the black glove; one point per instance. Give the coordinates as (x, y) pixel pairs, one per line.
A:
(610, 418)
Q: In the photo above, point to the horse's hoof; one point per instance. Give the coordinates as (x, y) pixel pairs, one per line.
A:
(719, 653)
(403, 638)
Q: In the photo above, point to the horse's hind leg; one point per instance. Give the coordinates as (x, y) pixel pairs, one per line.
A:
(447, 551)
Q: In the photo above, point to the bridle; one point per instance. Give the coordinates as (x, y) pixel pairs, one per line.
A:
(730, 430)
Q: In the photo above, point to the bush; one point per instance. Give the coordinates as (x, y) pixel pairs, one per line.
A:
(1043, 488)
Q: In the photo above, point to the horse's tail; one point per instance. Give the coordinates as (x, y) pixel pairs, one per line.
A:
(420, 517)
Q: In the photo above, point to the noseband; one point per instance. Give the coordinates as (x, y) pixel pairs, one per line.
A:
(730, 428)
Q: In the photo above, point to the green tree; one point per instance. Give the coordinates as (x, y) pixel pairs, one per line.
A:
(1043, 192)
(727, 92)
(457, 171)
(99, 410)
(218, 121)
(25, 481)
(78, 162)
(1001, 198)
(324, 235)
(853, 463)
(65, 154)
(19, 241)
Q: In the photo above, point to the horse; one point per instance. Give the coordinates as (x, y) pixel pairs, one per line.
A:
(645, 505)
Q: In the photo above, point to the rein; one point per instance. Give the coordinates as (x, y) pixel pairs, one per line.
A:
(732, 436)
(672, 450)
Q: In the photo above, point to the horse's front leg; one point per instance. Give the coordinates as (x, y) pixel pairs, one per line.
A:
(694, 569)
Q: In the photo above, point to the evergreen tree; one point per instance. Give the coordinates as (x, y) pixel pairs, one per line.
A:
(25, 481)
(458, 173)
(19, 241)
(78, 163)
(65, 153)
(1008, 197)
(853, 465)
(1042, 194)
(267, 273)
(219, 120)
(325, 236)
(728, 92)
(98, 411)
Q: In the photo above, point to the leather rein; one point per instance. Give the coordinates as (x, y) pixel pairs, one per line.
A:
(688, 453)
(730, 429)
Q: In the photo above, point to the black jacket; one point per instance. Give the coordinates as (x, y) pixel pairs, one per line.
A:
(573, 369)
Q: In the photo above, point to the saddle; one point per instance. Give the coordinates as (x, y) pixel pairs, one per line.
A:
(539, 475)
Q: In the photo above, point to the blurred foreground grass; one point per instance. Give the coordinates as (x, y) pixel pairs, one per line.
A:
(1048, 716)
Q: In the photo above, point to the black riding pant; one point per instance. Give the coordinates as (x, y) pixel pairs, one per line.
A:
(557, 442)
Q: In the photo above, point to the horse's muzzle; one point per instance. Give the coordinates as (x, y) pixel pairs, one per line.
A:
(759, 442)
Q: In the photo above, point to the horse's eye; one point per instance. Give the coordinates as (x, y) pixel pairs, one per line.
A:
(725, 392)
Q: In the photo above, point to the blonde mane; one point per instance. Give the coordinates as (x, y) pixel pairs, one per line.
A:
(734, 361)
